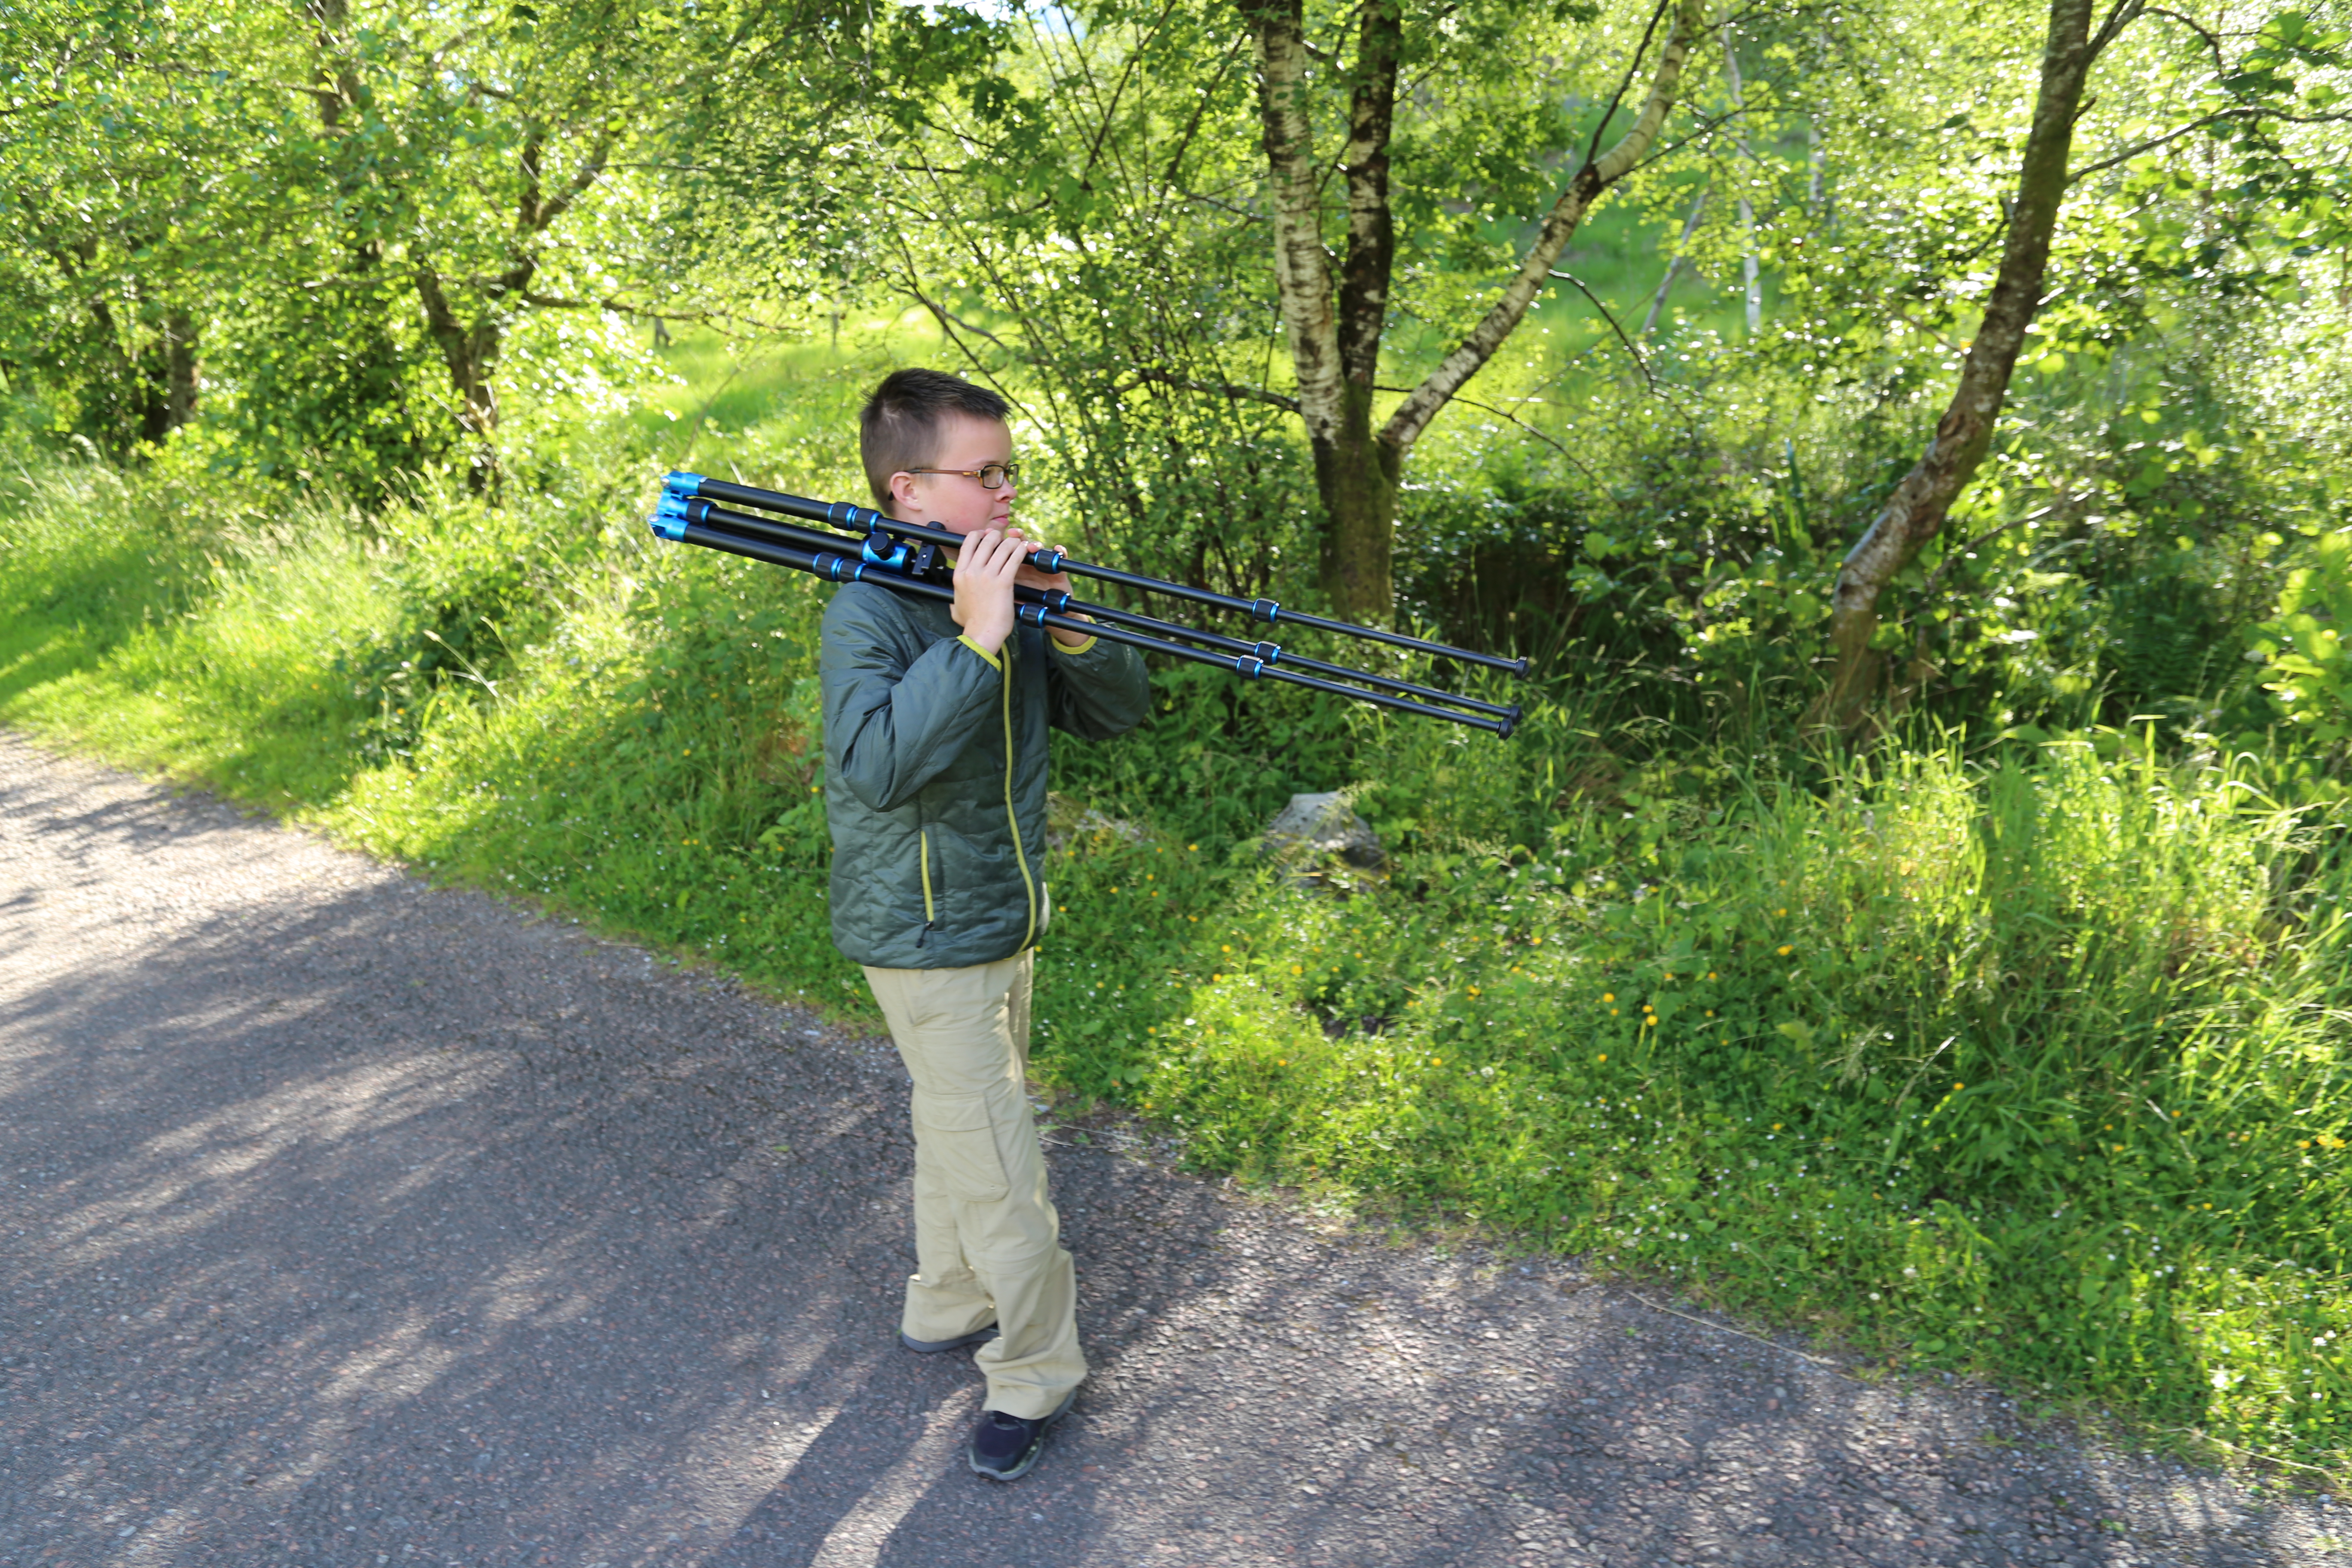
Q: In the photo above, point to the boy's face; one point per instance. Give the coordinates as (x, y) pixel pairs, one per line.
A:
(955, 502)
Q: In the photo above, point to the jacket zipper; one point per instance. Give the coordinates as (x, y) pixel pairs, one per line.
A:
(930, 919)
(1018, 856)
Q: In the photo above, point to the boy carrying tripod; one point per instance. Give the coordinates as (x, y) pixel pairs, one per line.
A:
(935, 745)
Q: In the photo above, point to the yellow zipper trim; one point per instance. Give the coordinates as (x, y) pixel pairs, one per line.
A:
(924, 835)
(1022, 858)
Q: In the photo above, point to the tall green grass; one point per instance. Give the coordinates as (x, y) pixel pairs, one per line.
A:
(2037, 1072)
(2030, 1064)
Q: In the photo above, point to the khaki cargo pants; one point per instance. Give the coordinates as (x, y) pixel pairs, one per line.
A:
(987, 1241)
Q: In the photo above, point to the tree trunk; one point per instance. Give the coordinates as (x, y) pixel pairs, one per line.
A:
(1914, 513)
(1357, 473)
(470, 352)
(1750, 272)
(1674, 262)
(152, 389)
(1303, 283)
(180, 368)
(1812, 166)
(168, 377)
(1334, 323)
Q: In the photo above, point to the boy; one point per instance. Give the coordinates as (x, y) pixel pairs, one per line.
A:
(935, 721)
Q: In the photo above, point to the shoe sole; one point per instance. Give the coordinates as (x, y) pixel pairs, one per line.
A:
(933, 1347)
(1029, 1459)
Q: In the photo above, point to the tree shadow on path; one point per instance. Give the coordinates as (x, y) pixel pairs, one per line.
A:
(362, 1222)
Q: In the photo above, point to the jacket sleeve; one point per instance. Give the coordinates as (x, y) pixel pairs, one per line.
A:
(892, 725)
(1096, 691)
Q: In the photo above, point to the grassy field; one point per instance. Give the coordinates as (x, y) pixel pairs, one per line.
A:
(2030, 1064)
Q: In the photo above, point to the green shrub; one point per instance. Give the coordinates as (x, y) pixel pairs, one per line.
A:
(2039, 1072)
(1948, 1056)
(2310, 673)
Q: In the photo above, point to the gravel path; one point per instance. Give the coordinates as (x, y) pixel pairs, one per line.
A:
(352, 1222)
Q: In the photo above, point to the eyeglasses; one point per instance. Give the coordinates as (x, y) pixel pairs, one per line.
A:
(991, 476)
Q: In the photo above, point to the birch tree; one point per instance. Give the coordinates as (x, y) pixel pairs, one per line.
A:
(1337, 309)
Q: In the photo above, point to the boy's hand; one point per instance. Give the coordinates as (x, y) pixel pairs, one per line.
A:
(985, 570)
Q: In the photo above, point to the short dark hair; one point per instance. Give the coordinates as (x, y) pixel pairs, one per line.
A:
(899, 427)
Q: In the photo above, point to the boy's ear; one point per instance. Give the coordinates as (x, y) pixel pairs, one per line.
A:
(903, 503)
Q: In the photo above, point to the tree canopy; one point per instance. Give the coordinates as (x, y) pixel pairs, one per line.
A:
(1700, 286)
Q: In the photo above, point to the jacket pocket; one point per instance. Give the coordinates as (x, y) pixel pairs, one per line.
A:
(930, 884)
(956, 1132)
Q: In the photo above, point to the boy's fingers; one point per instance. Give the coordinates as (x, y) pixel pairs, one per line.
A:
(977, 553)
(990, 557)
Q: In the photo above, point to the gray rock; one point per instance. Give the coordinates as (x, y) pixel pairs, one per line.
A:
(1314, 826)
(1070, 823)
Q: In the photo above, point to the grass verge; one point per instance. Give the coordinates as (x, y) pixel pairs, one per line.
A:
(2033, 1069)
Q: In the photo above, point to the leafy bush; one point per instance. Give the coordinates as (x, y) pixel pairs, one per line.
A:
(2039, 1072)
(2302, 645)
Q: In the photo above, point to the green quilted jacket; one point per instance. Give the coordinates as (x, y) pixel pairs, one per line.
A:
(935, 775)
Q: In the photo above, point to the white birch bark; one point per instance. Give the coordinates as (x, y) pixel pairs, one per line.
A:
(1749, 267)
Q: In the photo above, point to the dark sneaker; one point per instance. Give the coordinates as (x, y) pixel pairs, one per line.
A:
(932, 1347)
(1004, 1446)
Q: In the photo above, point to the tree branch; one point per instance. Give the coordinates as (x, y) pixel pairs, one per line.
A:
(590, 171)
(1674, 261)
(1215, 389)
(1639, 364)
(1508, 417)
(2238, 111)
(1953, 556)
(618, 307)
(1201, 110)
(534, 143)
(2121, 15)
(1413, 415)
(1702, 126)
(1601, 126)
(2212, 43)
(950, 324)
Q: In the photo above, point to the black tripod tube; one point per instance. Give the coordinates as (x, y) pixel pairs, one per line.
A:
(841, 568)
(842, 514)
(704, 511)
